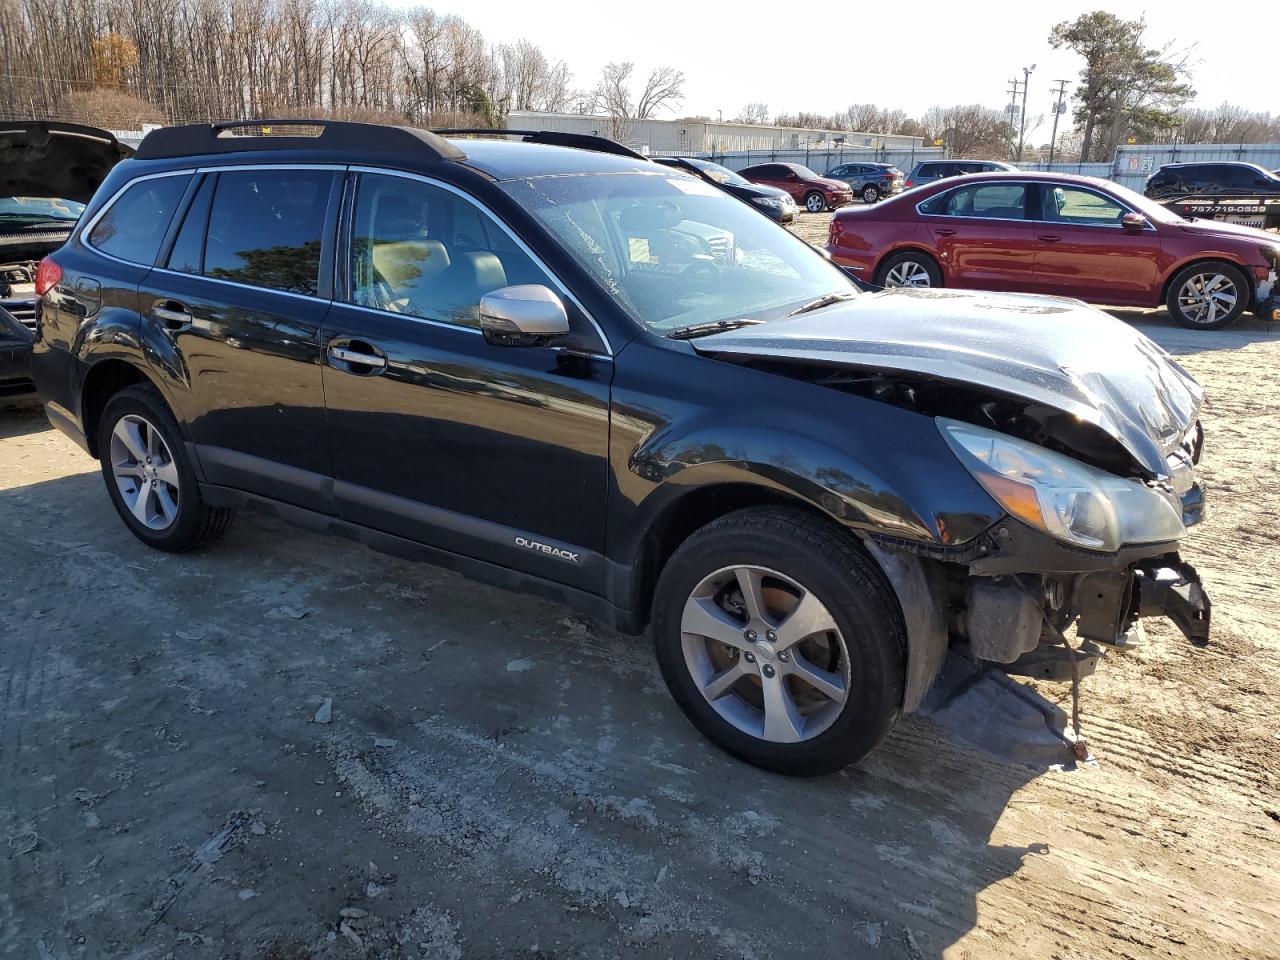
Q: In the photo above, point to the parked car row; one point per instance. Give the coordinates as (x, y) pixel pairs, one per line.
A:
(1062, 235)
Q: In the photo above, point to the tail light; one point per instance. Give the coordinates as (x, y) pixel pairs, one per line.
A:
(48, 276)
(834, 231)
(908, 184)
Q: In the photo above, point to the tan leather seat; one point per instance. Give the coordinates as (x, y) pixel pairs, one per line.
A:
(407, 268)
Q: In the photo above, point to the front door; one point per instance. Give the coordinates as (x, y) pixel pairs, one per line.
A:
(1086, 252)
(497, 453)
(983, 237)
(240, 297)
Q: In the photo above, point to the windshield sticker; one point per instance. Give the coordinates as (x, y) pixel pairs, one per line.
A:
(694, 188)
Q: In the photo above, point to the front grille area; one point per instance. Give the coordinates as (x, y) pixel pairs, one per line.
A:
(24, 311)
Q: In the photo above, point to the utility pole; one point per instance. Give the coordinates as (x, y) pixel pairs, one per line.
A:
(1022, 125)
(1059, 108)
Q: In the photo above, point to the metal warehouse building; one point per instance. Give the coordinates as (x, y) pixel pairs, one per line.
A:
(659, 137)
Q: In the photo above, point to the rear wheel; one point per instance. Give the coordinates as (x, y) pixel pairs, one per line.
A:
(815, 202)
(781, 641)
(148, 476)
(909, 269)
(870, 194)
(1207, 296)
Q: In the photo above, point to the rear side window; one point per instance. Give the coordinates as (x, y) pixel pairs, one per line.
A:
(992, 201)
(134, 226)
(266, 228)
(187, 255)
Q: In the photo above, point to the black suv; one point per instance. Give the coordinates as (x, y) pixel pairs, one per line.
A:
(523, 361)
(1242, 193)
(775, 204)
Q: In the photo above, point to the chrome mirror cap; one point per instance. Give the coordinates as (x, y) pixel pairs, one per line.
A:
(522, 314)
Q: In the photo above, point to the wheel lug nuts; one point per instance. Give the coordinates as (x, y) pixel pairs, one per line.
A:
(749, 657)
(771, 636)
(750, 634)
(784, 656)
(768, 670)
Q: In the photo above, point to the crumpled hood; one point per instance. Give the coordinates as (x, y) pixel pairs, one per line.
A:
(67, 160)
(1058, 352)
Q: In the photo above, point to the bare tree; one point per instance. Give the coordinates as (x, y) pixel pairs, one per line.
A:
(664, 88)
(753, 113)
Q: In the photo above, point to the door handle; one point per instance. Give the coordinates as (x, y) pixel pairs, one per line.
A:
(944, 231)
(354, 356)
(174, 314)
(1048, 237)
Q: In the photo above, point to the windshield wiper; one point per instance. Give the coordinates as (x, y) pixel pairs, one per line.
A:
(703, 329)
(821, 302)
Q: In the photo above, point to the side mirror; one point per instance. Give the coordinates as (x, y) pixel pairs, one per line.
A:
(523, 315)
(1134, 223)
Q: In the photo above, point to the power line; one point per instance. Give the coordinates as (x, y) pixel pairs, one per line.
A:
(1059, 108)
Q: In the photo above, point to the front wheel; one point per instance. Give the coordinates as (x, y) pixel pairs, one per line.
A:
(148, 476)
(815, 202)
(1207, 296)
(781, 641)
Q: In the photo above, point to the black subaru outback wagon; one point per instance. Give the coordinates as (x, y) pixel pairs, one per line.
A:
(558, 367)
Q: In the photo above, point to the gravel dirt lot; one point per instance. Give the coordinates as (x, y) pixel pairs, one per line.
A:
(500, 778)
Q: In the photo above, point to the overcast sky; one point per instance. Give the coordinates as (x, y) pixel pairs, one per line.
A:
(822, 56)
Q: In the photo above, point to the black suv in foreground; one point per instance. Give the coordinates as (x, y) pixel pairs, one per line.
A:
(524, 361)
(1242, 193)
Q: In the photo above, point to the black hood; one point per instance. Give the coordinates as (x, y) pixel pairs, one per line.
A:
(44, 159)
(1050, 350)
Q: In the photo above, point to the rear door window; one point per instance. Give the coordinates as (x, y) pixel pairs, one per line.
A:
(266, 228)
(991, 201)
(134, 226)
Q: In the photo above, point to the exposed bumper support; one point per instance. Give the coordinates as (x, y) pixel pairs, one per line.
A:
(1168, 587)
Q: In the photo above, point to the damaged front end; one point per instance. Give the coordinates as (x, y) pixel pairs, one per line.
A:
(1084, 433)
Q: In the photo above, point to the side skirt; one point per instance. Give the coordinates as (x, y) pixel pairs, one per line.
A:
(586, 603)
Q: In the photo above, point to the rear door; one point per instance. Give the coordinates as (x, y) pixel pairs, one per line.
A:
(491, 452)
(238, 305)
(1085, 251)
(983, 235)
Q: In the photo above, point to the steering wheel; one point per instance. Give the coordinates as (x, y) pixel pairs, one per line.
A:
(704, 268)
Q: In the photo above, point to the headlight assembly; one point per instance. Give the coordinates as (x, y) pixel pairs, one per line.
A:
(1068, 500)
(766, 201)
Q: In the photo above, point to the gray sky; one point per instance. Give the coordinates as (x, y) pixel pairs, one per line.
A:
(945, 51)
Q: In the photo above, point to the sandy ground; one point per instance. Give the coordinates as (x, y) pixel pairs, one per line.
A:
(502, 779)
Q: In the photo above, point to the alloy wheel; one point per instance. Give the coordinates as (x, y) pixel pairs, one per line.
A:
(144, 472)
(1206, 297)
(765, 653)
(870, 195)
(908, 273)
(815, 203)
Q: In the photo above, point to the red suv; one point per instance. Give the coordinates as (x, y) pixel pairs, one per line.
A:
(814, 192)
(1058, 234)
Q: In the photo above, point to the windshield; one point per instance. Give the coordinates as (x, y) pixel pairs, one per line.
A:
(804, 172)
(676, 251)
(718, 173)
(20, 210)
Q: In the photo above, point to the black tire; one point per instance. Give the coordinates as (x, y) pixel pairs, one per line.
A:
(195, 524)
(870, 193)
(847, 581)
(923, 260)
(1184, 315)
(815, 202)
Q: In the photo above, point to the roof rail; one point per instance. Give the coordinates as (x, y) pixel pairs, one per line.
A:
(239, 136)
(555, 138)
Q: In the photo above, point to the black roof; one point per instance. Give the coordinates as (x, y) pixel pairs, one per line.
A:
(537, 153)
